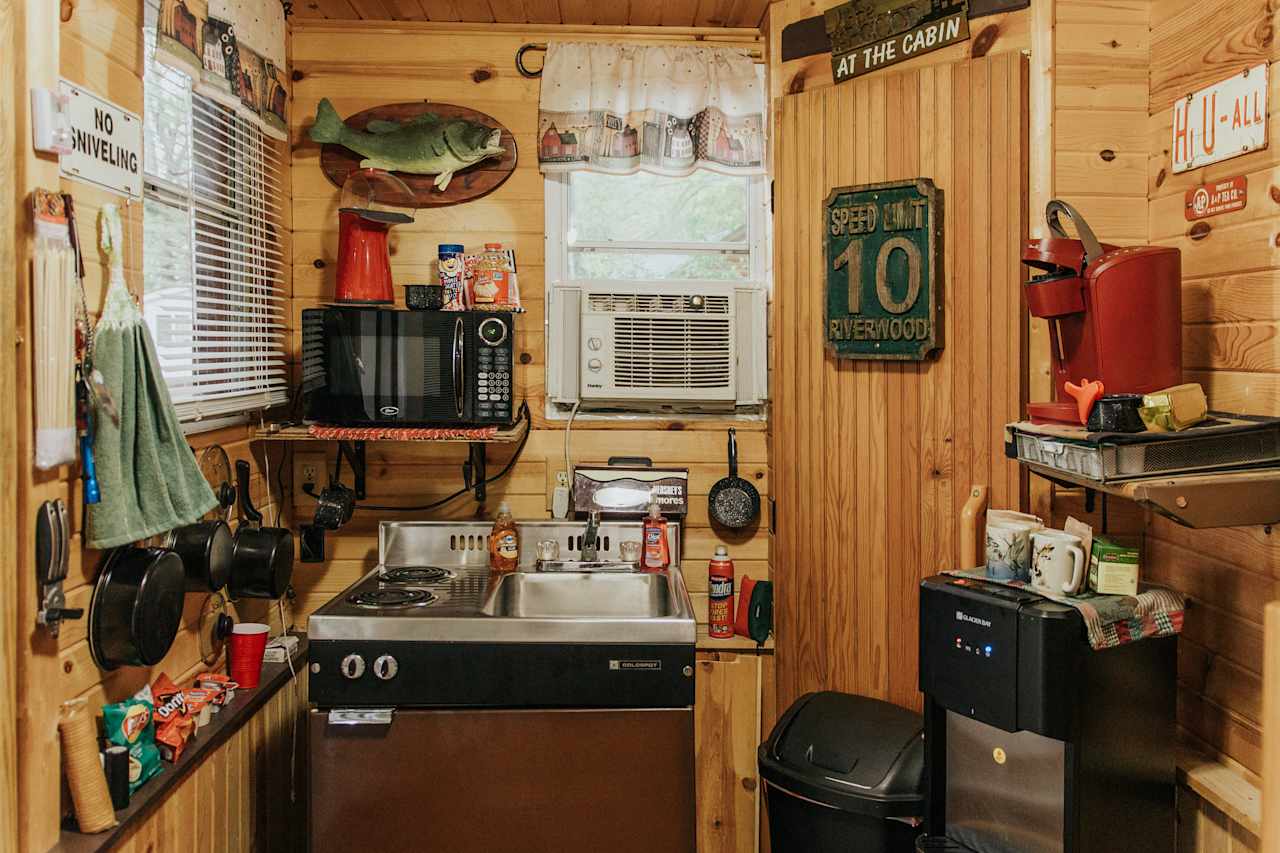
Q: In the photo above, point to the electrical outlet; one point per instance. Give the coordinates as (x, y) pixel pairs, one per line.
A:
(562, 479)
(309, 473)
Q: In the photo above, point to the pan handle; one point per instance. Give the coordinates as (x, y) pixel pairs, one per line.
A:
(247, 508)
(733, 452)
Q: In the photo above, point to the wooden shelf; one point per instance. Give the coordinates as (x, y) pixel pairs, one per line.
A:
(1222, 786)
(707, 643)
(298, 432)
(1213, 499)
(224, 724)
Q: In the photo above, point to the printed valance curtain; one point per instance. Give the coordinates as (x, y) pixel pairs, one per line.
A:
(233, 51)
(666, 109)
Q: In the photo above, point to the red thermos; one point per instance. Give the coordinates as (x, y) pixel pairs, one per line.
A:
(720, 584)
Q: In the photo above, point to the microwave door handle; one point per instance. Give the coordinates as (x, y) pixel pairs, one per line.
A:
(459, 368)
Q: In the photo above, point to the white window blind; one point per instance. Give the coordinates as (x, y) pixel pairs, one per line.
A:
(212, 259)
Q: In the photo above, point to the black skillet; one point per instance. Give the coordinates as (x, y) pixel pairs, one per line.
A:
(262, 559)
(733, 501)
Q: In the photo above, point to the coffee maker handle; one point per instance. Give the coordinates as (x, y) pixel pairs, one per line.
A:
(1077, 573)
(1054, 209)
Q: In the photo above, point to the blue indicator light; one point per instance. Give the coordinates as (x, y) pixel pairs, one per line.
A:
(988, 651)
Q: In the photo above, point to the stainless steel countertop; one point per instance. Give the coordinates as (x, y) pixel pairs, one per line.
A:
(468, 609)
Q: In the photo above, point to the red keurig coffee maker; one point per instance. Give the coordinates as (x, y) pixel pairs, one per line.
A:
(1115, 314)
(364, 218)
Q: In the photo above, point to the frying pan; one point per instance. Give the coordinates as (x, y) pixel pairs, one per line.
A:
(262, 558)
(136, 607)
(734, 502)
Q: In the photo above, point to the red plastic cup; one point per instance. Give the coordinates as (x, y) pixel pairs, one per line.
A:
(245, 649)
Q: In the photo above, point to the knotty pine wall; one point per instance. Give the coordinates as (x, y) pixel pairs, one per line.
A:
(358, 65)
(1231, 305)
(100, 48)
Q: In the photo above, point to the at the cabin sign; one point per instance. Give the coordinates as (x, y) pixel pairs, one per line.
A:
(883, 251)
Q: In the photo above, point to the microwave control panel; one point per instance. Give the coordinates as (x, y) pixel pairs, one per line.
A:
(495, 379)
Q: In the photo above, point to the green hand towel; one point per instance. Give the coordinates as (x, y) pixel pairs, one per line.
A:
(148, 476)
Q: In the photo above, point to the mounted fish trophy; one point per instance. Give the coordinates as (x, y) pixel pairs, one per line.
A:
(364, 218)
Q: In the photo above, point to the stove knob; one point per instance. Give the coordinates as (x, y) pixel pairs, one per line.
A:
(352, 666)
(386, 667)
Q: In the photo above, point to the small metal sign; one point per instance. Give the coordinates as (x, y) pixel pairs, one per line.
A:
(1220, 197)
(883, 250)
(1221, 121)
(870, 34)
(106, 141)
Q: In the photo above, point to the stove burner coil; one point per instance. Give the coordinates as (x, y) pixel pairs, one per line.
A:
(392, 599)
(416, 574)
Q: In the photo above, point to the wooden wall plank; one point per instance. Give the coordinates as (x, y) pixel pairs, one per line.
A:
(10, 98)
(848, 571)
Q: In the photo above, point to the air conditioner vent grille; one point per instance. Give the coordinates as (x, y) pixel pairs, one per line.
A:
(658, 303)
(673, 352)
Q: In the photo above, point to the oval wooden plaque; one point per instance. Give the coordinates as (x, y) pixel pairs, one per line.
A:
(468, 184)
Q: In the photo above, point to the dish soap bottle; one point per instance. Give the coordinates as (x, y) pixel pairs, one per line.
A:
(657, 554)
(504, 541)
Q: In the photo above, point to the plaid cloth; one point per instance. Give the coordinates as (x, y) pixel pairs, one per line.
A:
(337, 433)
(1111, 620)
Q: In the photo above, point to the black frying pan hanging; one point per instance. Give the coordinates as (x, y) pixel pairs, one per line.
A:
(262, 560)
(734, 502)
(136, 608)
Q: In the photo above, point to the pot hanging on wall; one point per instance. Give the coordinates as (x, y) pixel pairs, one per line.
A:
(136, 607)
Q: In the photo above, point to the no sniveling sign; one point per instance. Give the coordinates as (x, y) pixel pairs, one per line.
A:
(106, 141)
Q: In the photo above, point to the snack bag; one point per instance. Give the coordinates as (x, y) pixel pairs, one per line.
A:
(172, 736)
(491, 279)
(169, 699)
(130, 724)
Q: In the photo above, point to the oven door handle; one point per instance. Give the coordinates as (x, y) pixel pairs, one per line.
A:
(361, 716)
(459, 368)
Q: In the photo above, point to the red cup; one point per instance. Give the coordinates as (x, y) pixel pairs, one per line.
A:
(245, 649)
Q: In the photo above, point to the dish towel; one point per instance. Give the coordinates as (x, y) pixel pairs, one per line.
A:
(148, 476)
(1111, 620)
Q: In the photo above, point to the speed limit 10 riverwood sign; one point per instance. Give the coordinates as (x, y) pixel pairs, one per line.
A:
(883, 250)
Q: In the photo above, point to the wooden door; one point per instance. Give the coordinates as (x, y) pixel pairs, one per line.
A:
(872, 461)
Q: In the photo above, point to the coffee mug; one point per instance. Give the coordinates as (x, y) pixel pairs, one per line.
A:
(1057, 562)
(1007, 516)
(1009, 549)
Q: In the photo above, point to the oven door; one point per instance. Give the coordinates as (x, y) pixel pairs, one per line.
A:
(502, 780)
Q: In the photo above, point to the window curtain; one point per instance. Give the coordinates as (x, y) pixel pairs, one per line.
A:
(666, 109)
(234, 52)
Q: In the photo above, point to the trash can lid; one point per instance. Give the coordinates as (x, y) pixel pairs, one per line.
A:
(849, 752)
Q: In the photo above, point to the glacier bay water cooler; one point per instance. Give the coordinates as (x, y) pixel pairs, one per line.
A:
(1036, 743)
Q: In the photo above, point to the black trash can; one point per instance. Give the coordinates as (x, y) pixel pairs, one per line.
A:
(844, 773)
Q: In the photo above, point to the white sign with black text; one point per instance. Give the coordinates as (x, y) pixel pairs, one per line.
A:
(106, 141)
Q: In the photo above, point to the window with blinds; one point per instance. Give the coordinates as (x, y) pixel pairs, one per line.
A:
(212, 259)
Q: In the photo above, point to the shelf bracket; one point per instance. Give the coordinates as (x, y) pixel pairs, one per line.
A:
(355, 453)
(476, 462)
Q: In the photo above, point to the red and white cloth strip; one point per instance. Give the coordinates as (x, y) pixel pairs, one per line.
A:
(337, 433)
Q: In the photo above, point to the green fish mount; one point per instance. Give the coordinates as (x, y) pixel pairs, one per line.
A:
(423, 145)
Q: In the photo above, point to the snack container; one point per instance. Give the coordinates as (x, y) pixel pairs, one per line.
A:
(451, 269)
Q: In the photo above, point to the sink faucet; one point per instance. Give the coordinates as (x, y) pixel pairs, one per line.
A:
(591, 539)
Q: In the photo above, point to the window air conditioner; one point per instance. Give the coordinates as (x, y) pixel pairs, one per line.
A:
(679, 346)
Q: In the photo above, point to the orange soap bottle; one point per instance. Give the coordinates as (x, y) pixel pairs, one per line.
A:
(657, 554)
(504, 542)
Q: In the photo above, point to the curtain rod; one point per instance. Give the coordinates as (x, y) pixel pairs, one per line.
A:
(754, 53)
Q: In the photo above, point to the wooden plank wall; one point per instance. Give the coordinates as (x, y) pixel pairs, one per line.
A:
(1231, 285)
(10, 29)
(360, 65)
(101, 48)
(873, 461)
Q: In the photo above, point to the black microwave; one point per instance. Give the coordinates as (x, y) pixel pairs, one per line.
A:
(364, 366)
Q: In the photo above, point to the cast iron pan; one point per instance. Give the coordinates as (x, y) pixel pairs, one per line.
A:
(733, 501)
(262, 558)
(136, 607)
(205, 548)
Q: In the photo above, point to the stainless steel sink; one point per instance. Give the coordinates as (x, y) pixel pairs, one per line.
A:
(581, 595)
(606, 601)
